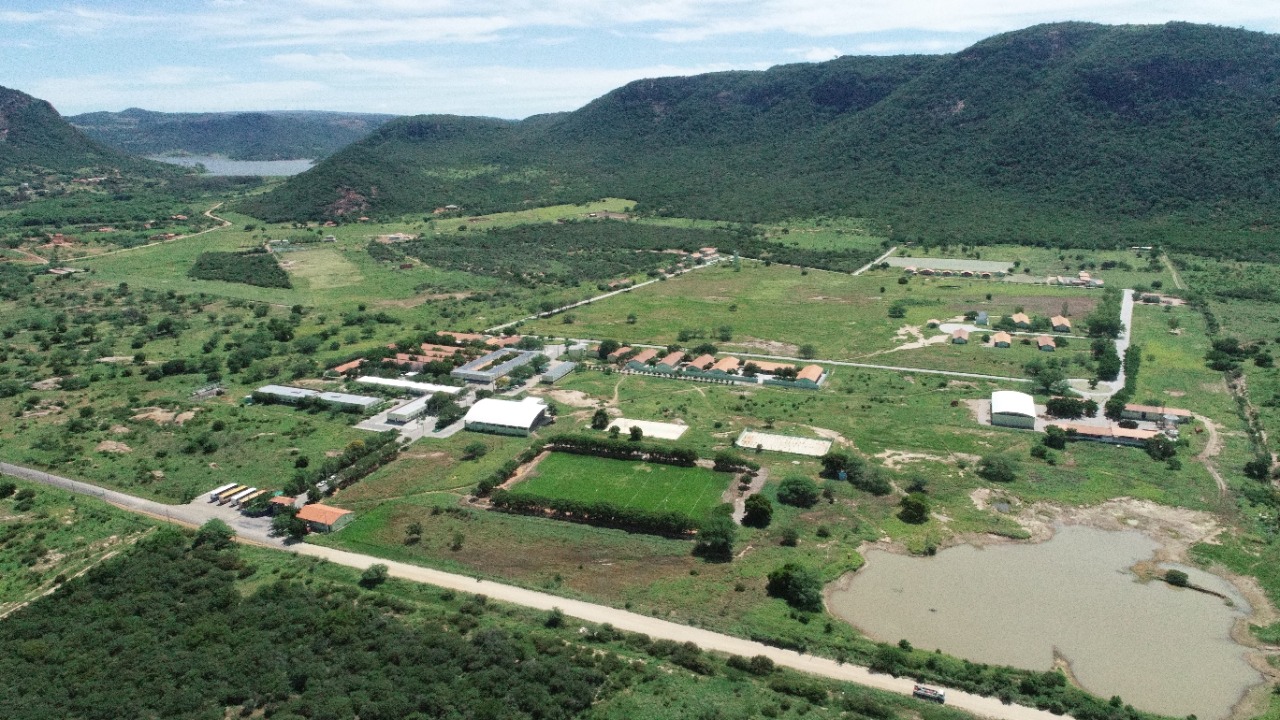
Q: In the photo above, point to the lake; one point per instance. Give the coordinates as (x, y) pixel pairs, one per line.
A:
(222, 166)
(1162, 649)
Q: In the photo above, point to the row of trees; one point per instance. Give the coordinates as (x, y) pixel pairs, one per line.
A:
(601, 513)
(579, 444)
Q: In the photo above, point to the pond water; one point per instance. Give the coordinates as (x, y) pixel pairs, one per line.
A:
(222, 166)
(1162, 649)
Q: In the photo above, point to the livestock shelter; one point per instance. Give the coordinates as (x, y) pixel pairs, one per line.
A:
(505, 417)
(1010, 408)
(325, 518)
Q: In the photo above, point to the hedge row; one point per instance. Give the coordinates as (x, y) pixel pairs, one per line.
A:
(622, 449)
(603, 514)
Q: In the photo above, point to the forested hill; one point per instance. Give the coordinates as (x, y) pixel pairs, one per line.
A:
(1081, 123)
(239, 136)
(34, 137)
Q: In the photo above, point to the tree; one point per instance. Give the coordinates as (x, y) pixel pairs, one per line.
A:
(798, 490)
(915, 509)
(716, 536)
(374, 575)
(288, 524)
(798, 585)
(808, 351)
(474, 450)
(215, 535)
(1258, 468)
(1055, 437)
(998, 468)
(1177, 578)
(1160, 447)
(607, 347)
(600, 420)
(759, 511)
(636, 433)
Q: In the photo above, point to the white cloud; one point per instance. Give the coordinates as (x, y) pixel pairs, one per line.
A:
(816, 54)
(343, 63)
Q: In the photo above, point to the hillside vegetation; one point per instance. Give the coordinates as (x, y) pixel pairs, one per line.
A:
(34, 138)
(239, 136)
(1065, 134)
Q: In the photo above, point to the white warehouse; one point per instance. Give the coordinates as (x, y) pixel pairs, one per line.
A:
(505, 417)
(1010, 408)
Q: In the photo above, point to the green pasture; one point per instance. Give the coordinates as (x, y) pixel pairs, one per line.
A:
(691, 491)
(1131, 269)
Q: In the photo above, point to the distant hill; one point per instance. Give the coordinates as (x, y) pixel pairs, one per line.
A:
(1068, 133)
(239, 136)
(33, 136)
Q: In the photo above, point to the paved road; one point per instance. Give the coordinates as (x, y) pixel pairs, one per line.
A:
(254, 530)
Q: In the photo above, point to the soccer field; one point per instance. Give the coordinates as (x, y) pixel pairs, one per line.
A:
(648, 486)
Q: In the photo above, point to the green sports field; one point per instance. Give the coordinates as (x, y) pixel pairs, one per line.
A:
(646, 486)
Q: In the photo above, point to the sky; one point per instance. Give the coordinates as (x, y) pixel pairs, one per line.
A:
(498, 58)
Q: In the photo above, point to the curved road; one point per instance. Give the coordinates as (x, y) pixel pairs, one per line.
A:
(255, 530)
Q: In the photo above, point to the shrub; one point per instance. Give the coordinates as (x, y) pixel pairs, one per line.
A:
(374, 575)
(1177, 578)
(998, 468)
(759, 511)
(798, 490)
(798, 585)
(915, 509)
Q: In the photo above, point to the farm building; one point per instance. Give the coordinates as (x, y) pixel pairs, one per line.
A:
(702, 362)
(618, 354)
(505, 417)
(292, 395)
(983, 318)
(1060, 324)
(1002, 340)
(670, 362)
(497, 364)
(642, 358)
(1010, 408)
(557, 372)
(1046, 343)
(1108, 434)
(810, 375)
(410, 411)
(959, 336)
(416, 388)
(1020, 320)
(325, 518)
(1154, 413)
(348, 366)
(726, 365)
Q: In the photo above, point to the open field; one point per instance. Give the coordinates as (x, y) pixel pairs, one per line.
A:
(776, 310)
(1118, 268)
(644, 486)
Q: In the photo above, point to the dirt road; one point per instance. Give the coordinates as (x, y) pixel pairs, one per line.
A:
(207, 213)
(1211, 450)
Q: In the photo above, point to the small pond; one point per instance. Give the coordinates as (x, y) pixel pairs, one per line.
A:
(1162, 649)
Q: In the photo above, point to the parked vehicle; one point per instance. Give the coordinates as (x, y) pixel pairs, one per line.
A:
(930, 694)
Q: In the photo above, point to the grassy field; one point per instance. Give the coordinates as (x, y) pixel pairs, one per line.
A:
(645, 486)
(1126, 269)
(776, 310)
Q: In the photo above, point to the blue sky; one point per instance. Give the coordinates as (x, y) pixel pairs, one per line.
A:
(502, 58)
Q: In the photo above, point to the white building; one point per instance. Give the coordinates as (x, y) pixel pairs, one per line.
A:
(417, 388)
(1013, 409)
(410, 411)
(505, 417)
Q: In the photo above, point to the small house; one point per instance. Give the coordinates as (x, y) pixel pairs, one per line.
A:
(959, 336)
(618, 354)
(325, 518)
(702, 362)
(809, 376)
(1046, 344)
(1060, 324)
(1020, 320)
(726, 365)
(1002, 340)
(642, 358)
(1152, 413)
(669, 363)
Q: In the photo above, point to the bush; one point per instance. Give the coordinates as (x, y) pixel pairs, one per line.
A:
(915, 509)
(798, 585)
(256, 267)
(1177, 578)
(716, 535)
(7, 489)
(1055, 437)
(798, 491)
(998, 468)
(759, 511)
(374, 575)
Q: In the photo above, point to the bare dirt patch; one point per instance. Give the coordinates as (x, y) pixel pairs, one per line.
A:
(573, 398)
(46, 384)
(113, 446)
(768, 347)
(160, 416)
(120, 430)
(830, 435)
(115, 359)
(894, 459)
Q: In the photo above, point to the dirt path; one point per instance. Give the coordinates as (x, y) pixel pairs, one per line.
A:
(1177, 279)
(207, 213)
(739, 499)
(875, 262)
(1212, 449)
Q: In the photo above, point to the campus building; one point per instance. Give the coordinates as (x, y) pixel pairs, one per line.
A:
(1010, 408)
(505, 417)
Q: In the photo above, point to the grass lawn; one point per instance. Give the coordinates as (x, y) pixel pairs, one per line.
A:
(1130, 269)
(645, 486)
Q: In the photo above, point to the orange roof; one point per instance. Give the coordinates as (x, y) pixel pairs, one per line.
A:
(1158, 410)
(1058, 320)
(1020, 318)
(1086, 430)
(702, 361)
(620, 352)
(323, 514)
(1001, 337)
(503, 341)
(645, 355)
(349, 365)
(672, 359)
(725, 364)
(960, 333)
(1133, 433)
(1045, 341)
(810, 372)
(282, 500)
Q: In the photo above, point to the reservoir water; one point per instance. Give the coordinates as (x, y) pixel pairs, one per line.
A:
(222, 166)
(1162, 649)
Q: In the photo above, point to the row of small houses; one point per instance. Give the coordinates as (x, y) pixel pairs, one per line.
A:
(928, 272)
(708, 366)
(960, 336)
(1021, 321)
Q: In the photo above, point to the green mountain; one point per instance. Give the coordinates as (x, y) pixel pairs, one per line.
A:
(239, 136)
(1069, 133)
(34, 137)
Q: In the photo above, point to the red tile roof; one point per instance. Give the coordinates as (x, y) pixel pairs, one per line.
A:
(725, 364)
(810, 372)
(323, 514)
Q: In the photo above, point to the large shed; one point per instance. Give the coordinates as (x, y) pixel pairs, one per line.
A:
(505, 417)
(325, 518)
(1010, 408)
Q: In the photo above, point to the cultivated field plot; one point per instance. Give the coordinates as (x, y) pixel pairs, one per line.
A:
(320, 269)
(958, 264)
(645, 486)
(659, 430)
(751, 439)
